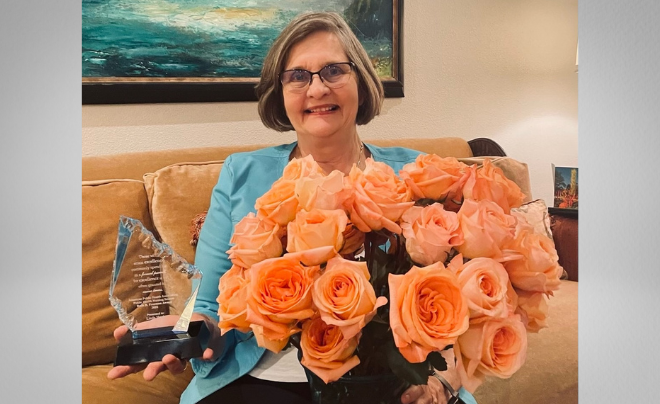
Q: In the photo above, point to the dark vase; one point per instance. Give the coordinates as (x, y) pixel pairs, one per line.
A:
(372, 389)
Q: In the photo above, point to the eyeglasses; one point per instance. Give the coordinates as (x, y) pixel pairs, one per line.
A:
(333, 75)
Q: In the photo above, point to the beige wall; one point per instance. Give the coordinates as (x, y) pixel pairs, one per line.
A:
(503, 69)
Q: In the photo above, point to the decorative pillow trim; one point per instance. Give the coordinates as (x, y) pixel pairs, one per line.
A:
(196, 226)
(92, 183)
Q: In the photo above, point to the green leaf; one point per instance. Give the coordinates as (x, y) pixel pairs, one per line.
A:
(437, 361)
(370, 352)
(377, 259)
(413, 373)
(428, 201)
(295, 341)
(382, 264)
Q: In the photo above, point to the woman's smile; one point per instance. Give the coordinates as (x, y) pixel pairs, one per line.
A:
(319, 111)
(322, 109)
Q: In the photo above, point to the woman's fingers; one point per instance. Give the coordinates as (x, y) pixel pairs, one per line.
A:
(411, 394)
(216, 341)
(122, 371)
(174, 364)
(208, 354)
(169, 362)
(431, 393)
(437, 391)
(119, 332)
(152, 370)
(451, 375)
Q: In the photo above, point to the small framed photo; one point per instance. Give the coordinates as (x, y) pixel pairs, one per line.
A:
(566, 187)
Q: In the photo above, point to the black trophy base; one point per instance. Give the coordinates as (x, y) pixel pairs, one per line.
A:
(151, 345)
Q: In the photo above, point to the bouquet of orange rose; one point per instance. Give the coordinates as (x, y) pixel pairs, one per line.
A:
(372, 273)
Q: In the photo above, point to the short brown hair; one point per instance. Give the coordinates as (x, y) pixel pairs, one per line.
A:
(269, 89)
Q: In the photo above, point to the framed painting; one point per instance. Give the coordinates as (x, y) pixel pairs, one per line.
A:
(566, 187)
(160, 51)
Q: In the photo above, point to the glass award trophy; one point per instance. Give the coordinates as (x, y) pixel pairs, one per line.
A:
(149, 281)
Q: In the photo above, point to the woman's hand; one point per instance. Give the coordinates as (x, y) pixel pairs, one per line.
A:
(434, 392)
(169, 362)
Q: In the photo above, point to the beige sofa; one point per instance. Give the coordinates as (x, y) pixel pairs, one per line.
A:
(167, 189)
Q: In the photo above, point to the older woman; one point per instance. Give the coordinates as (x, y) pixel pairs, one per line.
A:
(318, 81)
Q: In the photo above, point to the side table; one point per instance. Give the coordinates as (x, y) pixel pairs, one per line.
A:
(564, 226)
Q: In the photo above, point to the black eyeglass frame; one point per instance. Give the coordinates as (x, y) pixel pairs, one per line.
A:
(311, 74)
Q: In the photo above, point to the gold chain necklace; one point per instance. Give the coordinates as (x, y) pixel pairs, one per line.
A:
(298, 154)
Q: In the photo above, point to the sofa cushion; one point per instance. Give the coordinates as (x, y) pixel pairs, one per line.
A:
(133, 165)
(442, 146)
(102, 204)
(177, 193)
(132, 389)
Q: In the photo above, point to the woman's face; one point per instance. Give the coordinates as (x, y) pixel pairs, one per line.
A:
(320, 111)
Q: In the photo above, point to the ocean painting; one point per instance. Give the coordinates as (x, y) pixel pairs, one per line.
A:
(176, 41)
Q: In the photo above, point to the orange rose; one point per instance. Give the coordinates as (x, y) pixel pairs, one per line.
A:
(279, 297)
(484, 283)
(316, 228)
(430, 233)
(434, 177)
(535, 266)
(279, 204)
(486, 229)
(325, 350)
(315, 256)
(456, 264)
(302, 167)
(380, 198)
(323, 192)
(497, 347)
(232, 301)
(511, 298)
(533, 309)
(489, 182)
(427, 310)
(254, 240)
(344, 296)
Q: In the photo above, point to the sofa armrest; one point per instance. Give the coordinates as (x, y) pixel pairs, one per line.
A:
(564, 226)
